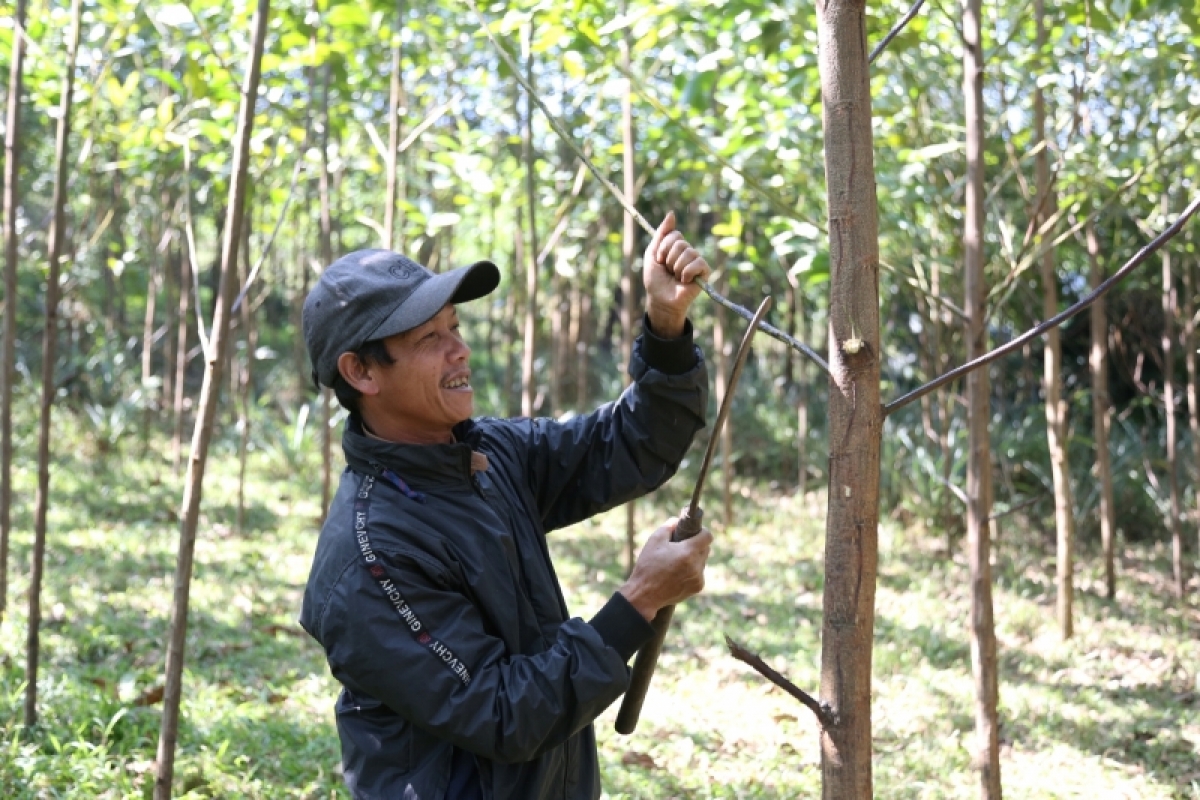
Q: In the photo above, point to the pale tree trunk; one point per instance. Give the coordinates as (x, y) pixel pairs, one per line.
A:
(8, 353)
(245, 378)
(151, 394)
(559, 341)
(855, 415)
(171, 273)
(984, 665)
(529, 355)
(1170, 307)
(206, 412)
(49, 356)
(511, 313)
(628, 261)
(395, 103)
(585, 323)
(325, 248)
(181, 351)
(1056, 406)
(1193, 392)
(1101, 414)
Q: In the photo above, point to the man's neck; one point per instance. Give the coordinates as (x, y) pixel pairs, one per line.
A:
(393, 434)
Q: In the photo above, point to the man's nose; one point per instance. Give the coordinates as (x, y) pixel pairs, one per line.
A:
(461, 351)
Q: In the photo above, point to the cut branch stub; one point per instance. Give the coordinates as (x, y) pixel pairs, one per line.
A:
(823, 712)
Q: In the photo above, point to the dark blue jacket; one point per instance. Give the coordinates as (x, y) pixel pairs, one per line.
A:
(433, 593)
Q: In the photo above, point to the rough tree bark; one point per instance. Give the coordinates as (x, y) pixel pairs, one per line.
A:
(1056, 406)
(855, 415)
(206, 412)
(1102, 414)
(529, 355)
(979, 461)
(1170, 306)
(49, 356)
(8, 353)
(628, 259)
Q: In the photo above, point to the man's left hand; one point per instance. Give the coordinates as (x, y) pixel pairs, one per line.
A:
(671, 267)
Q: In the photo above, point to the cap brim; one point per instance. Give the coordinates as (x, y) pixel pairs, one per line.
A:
(456, 286)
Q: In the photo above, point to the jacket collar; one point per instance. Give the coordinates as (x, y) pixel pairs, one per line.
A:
(421, 465)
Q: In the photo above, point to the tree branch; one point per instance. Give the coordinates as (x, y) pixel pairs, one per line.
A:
(1101, 290)
(824, 713)
(568, 140)
(895, 31)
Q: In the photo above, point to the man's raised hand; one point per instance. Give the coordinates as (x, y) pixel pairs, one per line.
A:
(671, 267)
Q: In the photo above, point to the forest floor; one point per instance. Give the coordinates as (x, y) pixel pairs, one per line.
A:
(1113, 713)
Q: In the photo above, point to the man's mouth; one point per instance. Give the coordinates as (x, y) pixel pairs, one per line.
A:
(461, 382)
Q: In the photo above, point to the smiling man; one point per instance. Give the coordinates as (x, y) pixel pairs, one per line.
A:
(432, 590)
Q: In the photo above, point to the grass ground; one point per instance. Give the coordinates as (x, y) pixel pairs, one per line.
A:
(1114, 713)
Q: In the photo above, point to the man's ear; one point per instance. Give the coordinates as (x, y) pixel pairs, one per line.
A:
(357, 374)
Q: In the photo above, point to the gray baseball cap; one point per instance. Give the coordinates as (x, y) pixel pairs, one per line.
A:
(373, 294)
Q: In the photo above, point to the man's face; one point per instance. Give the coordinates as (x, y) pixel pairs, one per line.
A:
(427, 391)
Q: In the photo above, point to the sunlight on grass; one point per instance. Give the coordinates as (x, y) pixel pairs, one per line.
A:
(1112, 714)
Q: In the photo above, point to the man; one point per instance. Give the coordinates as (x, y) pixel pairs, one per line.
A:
(432, 589)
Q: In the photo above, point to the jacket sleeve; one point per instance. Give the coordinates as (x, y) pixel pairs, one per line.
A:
(622, 450)
(402, 631)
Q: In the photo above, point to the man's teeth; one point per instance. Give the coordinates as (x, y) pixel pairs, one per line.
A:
(457, 383)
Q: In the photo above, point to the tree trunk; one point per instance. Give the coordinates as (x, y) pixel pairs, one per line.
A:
(628, 261)
(245, 378)
(325, 248)
(512, 311)
(8, 353)
(49, 356)
(979, 460)
(171, 305)
(1056, 406)
(181, 351)
(1170, 307)
(855, 414)
(585, 323)
(1101, 414)
(529, 355)
(395, 102)
(206, 412)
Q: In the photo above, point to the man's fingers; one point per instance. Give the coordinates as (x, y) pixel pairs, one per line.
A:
(677, 254)
(662, 250)
(664, 228)
(696, 269)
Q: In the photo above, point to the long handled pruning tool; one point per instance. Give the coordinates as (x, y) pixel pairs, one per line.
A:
(690, 524)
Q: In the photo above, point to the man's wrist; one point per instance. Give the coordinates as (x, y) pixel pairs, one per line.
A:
(666, 323)
(637, 597)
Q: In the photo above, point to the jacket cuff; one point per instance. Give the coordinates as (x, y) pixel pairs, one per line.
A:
(621, 626)
(670, 356)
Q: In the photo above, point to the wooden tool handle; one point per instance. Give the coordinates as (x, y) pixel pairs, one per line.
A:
(690, 524)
